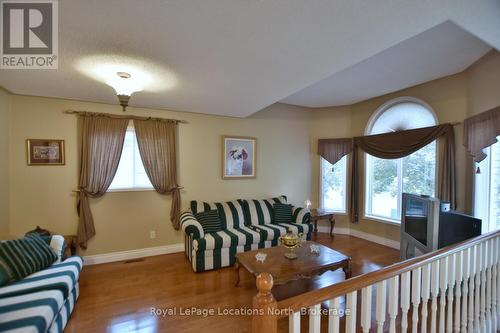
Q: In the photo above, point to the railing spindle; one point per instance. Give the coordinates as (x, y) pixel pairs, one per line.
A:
(350, 326)
(426, 287)
(366, 309)
(443, 285)
(472, 288)
(315, 318)
(477, 291)
(415, 297)
(334, 317)
(294, 323)
(465, 289)
(451, 285)
(458, 289)
(488, 287)
(494, 290)
(381, 305)
(393, 303)
(405, 300)
(434, 293)
(484, 256)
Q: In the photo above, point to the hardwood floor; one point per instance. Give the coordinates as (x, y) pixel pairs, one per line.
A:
(119, 297)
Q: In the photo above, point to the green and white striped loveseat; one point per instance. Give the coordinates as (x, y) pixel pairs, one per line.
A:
(247, 225)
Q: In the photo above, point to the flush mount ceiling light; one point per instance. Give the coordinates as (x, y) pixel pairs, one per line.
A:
(127, 75)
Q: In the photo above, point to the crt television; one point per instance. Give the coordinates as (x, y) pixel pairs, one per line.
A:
(424, 228)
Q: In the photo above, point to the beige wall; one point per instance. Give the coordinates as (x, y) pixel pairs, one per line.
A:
(483, 80)
(42, 195)
(4, 163)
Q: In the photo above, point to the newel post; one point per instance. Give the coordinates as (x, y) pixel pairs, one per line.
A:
(264, 303)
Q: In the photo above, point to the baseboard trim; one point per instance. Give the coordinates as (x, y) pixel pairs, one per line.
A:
(361, 234)
(132, 254)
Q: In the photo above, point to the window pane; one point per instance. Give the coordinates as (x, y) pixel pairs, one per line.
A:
(130, 173)
(333, 185)
(382, 194)
(419, 171)
(403, 116)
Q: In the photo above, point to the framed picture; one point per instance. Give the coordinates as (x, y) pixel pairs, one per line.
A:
(238, 157)
(45, 152)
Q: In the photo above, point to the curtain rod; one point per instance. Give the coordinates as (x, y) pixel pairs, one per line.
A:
(123, 116)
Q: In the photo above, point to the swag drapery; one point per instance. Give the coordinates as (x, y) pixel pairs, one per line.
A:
(481, 131)
(102, 138)
(392, 146)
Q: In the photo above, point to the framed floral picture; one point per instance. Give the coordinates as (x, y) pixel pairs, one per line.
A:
(238, 157)
(45, 152)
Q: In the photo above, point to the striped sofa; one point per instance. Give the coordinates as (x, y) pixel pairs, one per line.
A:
(247, 225)
(43, 301)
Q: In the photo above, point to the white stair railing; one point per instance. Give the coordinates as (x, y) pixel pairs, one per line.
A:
(456, 289)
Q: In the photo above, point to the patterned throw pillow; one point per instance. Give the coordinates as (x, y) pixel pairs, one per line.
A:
(282, 213)
(26, 256)
(209, 220)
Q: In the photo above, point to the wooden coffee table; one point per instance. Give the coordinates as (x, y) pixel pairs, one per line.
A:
(283, 270)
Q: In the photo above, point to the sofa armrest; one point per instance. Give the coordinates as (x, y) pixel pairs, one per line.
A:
(191, 226)
(301, 215)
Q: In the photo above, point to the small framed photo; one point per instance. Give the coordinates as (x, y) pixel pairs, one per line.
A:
(45, 152)
(238, 157)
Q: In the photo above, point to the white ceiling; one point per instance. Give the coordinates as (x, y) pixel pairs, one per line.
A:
(443, 50)
(235, 57)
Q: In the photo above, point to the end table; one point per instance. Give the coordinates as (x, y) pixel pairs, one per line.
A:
(323, 214)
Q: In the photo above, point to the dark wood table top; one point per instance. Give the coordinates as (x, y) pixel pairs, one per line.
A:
(283, 270)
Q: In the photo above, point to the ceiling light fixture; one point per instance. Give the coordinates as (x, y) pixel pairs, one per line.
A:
(124, 88)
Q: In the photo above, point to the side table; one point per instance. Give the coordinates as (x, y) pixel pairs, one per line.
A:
(71, 242)
(322, 214)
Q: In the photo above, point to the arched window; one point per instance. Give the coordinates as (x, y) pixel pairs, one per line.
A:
(386, 180)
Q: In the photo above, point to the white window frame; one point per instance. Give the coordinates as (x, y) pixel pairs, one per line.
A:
(482, 197)
(367, 179)
(131, 128)
(321, 188)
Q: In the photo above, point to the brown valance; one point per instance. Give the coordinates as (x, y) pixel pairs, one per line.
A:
(481, 131)
(333, 150)
(391, 146)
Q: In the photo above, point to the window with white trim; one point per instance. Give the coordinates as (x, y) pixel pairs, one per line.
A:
(487, 189)
(333, 186)
(386, 180)
(130, 175)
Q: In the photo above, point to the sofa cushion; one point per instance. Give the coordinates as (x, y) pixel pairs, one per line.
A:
(259, 212)
(34, 312)
(26, 255)
(282, 213)
(209, 220)
(61, 276)
(230, 213)
(227, 238)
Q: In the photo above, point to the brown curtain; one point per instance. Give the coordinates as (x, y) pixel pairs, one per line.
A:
(102, 140)
(157, 145)
(333, 150)
(391, 146)
(480, 132)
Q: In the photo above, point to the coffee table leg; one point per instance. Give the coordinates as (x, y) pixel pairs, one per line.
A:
(332, 225)
(315, 226)
(347, 270)
(237, 269)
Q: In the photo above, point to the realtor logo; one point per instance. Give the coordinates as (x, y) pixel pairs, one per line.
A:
(29, 33)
